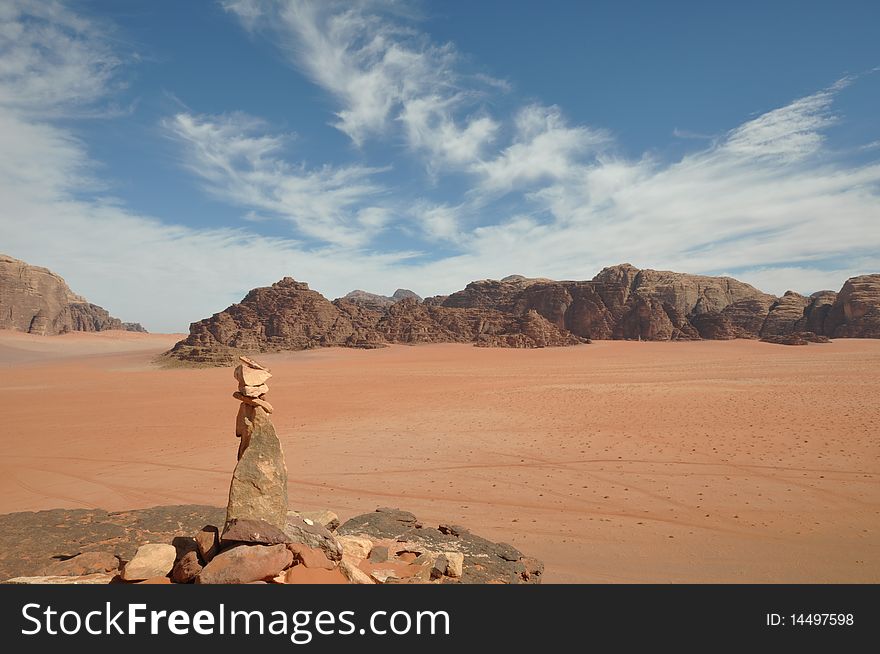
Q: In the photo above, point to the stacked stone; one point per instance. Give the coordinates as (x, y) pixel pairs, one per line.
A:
(259, 482)
(252, 389)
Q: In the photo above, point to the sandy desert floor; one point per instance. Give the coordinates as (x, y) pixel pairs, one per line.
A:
(613, 462)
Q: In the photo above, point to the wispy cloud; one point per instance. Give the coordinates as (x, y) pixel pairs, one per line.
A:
(241, 161)
(381, 72)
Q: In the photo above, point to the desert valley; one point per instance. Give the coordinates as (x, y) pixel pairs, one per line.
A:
(670, 437)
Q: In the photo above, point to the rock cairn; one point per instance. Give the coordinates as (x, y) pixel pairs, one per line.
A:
(259, 482)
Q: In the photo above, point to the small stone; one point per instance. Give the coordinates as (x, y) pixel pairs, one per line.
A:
(86, 563)
(246, 563)
(243, 530)
(438, 569)
(253, 391)
(186, 568)
(208, 542)
(310, 557)
(150, 560)
(251, 376)
(250, 363)
(349, 567)
(356, 546)
(379, 554)
(253, 401)
(454, 564)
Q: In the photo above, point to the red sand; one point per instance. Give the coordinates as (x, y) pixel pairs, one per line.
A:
(613, 462)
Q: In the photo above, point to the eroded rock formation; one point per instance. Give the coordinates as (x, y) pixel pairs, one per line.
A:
(621, 302)
(37, 301)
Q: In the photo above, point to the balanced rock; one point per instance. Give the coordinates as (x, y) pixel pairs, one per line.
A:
(259, 483)
(247, 376)
(253, 391)
(150, 560)
(253, 401)
(246, 563)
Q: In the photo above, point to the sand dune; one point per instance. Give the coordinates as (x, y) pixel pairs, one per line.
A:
(613, 462)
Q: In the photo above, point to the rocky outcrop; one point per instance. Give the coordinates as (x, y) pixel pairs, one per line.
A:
(379, 302)
(37, 301)
(620, 302)
(856, 309)
(785, 314)
(386, 546)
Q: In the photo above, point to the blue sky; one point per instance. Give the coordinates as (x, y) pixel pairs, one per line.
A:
(165, 157)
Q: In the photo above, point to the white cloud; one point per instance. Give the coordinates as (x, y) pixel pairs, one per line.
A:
(380, 72)
(544, 148)
(242, 163)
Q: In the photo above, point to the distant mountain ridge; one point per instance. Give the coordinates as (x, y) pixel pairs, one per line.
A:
(38, 301)
(620, 302)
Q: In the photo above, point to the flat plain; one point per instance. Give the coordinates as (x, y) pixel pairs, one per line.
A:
(712, 461)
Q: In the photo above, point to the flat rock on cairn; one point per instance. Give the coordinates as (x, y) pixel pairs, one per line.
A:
(259, 483)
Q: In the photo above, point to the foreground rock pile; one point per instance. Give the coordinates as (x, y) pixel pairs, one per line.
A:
(387, 546)
(621, 302)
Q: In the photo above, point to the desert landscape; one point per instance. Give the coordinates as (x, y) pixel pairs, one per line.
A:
(619, 461)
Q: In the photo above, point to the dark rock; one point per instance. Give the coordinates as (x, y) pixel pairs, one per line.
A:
(208, 542)
(186, 569)
(379, 554)
(30, 540)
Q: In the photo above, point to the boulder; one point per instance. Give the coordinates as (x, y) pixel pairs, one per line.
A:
(349, 567)
(246, 563)
(150, 560)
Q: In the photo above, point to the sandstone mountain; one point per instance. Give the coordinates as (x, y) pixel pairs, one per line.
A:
(379, 302)
(621, 302)
(37, 301)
